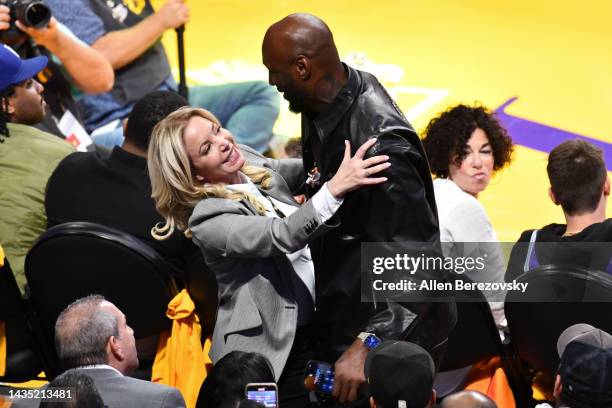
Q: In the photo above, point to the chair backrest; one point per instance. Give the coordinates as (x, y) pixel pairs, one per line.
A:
(23, 361)
(202, 286)
(557, 297)
(73, 260)
(475, 337)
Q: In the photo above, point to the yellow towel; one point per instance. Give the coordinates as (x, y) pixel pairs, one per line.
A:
(2, 349)
(2, 330)
(181, 361)
(489, 378)
(4, 402)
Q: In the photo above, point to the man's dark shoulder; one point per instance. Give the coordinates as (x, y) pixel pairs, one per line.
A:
(78, 161)
(525, 236)
(374, 104)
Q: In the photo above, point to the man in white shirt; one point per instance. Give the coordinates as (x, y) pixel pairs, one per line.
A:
(92, 337)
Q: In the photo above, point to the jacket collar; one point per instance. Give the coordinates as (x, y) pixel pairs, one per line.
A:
(327, 120)
(250, 188)
(101, 371)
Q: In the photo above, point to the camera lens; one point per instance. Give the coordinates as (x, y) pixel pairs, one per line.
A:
(36, 14)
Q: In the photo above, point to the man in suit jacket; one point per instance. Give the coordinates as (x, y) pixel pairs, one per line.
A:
(93, 338)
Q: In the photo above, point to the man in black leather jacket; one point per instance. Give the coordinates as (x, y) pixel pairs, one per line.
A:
(338, 102)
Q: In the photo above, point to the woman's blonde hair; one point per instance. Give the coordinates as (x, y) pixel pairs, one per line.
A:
(175, 189)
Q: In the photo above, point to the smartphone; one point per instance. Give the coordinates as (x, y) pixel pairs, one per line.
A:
(264, 393)
(319, 377)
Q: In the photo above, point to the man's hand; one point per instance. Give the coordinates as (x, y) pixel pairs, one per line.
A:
(173, 14)
(5, 17)
(46, 36)
(348, 372)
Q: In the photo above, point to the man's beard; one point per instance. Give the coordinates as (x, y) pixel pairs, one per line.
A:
(296, 103)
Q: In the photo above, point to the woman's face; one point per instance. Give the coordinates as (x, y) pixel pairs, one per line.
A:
(213, 153)
(475, 171)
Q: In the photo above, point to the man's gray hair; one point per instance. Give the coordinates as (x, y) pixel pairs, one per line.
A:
(82, 331)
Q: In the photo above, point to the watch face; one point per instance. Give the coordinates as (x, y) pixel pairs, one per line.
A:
(371, 342)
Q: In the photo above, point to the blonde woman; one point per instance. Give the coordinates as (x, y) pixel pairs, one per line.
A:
(239, 208)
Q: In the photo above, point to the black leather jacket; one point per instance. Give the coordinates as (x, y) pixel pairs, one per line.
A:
(401, 210)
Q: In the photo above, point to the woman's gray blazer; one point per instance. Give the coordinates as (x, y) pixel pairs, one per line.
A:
(257, 308)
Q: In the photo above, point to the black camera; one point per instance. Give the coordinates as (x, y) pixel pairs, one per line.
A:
(31, 13)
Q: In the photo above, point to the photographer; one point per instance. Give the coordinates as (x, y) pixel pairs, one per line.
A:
(91, 72)
(129, 37)
(88, 69)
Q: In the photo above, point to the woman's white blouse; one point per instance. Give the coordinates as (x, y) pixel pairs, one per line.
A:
(325, 205)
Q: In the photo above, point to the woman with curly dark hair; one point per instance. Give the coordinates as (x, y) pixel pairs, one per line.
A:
(465, 145)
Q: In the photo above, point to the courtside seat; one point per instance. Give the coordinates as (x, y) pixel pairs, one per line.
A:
(202, 286)
(23, 360)
(557, 297)
(77, 259)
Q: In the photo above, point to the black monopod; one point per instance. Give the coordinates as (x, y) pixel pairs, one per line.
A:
(182, 88)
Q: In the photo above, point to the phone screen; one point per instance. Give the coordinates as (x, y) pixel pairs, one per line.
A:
(265, 394)
(319, 377)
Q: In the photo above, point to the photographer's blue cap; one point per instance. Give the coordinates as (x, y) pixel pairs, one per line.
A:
(14, 70)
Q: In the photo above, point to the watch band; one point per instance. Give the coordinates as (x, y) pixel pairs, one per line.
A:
(363, 336)
(370, 340)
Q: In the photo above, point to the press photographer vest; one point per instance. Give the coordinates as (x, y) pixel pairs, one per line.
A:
(146, 73)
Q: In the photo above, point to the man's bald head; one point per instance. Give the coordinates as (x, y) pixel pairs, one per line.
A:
(303, 62)
(297, 34)
(468, 399)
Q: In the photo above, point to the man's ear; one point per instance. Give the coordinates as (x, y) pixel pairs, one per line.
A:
(432, 401)
(303, 67)
(115, 348)
(7, 105)
(557, 388)
(606, 187)
(552, 196)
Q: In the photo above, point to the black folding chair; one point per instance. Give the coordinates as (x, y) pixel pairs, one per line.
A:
(73, 260)
(202, 286)
(23, 359)
(557, 297)
(475, 338)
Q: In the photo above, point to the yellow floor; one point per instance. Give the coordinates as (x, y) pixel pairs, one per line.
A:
(556, 56)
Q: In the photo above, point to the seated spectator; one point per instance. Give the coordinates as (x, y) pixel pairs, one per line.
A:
(579, 183)
(129, 38)
(83, 392)
(584, 378)
(224, 387)
(27, 156)
(92, 338)
(400, 375)
(468, 399)
(115, 190)
(465, 145)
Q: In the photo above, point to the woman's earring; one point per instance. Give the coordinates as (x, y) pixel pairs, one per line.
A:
(199, 178)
